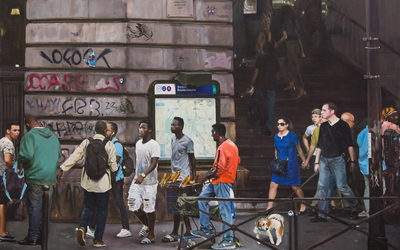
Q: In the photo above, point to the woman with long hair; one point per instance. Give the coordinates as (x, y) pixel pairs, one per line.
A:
(286, 146)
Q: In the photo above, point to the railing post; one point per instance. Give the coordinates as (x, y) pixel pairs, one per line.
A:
(45, 217)
(376, 225)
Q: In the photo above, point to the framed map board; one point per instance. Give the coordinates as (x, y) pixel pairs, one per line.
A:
(199, 106)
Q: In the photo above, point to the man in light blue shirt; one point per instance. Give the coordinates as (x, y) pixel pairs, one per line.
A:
(362, 141)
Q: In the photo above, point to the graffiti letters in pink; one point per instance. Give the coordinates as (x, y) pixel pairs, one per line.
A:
(220, 60)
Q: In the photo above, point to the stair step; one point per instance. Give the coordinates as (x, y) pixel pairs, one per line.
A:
(326, 80)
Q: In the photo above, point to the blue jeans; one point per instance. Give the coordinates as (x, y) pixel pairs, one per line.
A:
(267, 104)
(34, 199)
(366, 193)
(117, 191)
(221, 190)
(333, 166)
(95, 203)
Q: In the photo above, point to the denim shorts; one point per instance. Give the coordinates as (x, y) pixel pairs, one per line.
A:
(3, 198)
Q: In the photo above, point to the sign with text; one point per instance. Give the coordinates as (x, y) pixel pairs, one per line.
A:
(179, 8)
(182, 89)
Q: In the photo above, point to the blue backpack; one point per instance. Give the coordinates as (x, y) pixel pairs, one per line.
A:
(14, 183)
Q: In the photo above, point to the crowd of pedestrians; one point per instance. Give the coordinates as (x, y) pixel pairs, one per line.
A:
(102, 173)
(331, 153)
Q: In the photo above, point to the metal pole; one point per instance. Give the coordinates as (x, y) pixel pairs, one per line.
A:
(45, 216)
(376, 225)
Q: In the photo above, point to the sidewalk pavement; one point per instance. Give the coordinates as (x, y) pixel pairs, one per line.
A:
(63, 236)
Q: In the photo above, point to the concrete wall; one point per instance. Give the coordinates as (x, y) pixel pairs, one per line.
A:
(135, 42)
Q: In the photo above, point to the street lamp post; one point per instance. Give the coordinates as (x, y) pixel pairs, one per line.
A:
(376, 224)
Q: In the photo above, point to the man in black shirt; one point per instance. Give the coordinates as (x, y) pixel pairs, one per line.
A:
(334, 140)
(264, 82)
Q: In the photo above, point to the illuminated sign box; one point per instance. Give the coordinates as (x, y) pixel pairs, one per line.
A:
(199, 106)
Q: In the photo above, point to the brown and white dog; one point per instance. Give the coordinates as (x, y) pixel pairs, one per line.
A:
(265, 225)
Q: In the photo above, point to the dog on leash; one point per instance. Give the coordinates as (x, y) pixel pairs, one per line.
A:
(264, 226)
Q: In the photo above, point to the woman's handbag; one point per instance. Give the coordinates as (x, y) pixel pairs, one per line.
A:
(278, 166)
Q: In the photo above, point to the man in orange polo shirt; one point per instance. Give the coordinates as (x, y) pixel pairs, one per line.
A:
(223, 175)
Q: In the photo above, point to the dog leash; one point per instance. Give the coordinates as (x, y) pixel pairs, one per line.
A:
(312, 176)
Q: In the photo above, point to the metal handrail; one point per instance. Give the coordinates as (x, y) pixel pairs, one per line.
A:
(293, 201)
(361, 27)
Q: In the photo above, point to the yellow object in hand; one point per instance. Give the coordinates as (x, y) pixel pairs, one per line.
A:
(163, 179)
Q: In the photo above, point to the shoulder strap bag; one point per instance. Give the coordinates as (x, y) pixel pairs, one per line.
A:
(279, 166)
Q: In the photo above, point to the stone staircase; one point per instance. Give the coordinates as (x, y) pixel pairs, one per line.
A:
(327, 79)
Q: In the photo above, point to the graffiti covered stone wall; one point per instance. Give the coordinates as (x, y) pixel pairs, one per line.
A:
(95, 59)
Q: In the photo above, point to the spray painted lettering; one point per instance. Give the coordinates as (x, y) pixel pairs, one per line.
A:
(70, 129)
(71, 82)
(73, 57)
(45, 105)
(77, 130)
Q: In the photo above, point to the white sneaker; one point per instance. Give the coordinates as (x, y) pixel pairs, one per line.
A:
(90, 232)
(124, 233)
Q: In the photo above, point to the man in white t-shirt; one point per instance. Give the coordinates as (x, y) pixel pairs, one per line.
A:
(7, 160)
(183, 160)
(143, 189)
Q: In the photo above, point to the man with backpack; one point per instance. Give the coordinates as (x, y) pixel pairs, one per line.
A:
(117, 183)
(100, 161)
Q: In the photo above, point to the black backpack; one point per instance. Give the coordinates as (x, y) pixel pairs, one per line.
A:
(127, 162)
(391, 150)
(96, 159)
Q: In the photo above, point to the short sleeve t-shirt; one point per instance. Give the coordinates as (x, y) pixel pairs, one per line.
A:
(314, 139)
(179, 156)
(6, 147)
(118, 152)
(144, 153)
(227, 162)
(310, 130)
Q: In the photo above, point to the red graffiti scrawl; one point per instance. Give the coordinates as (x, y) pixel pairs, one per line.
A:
(46, 82)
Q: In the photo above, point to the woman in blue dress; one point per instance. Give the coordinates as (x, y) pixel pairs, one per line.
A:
(286, 147)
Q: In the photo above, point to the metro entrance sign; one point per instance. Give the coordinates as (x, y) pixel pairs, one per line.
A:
(181, 89)
(198, 105)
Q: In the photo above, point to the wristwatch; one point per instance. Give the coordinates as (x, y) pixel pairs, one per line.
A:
(143, 175)
(353, 162)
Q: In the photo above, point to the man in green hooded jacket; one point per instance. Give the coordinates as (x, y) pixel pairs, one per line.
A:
(39, 153)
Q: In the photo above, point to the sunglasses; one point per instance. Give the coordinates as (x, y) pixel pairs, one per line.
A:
(281, 124)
